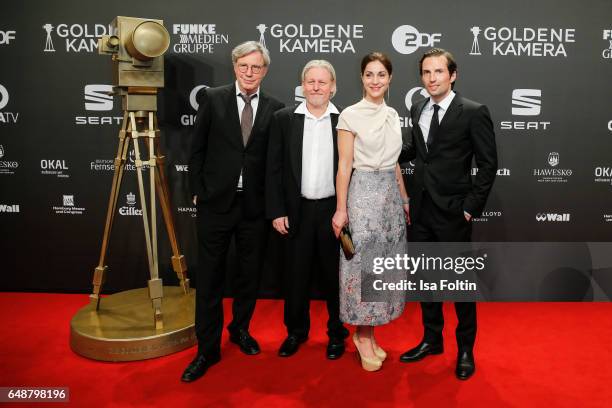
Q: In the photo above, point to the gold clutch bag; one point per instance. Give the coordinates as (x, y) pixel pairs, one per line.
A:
(346, 241)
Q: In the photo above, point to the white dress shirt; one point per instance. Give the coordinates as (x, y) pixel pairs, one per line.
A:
(317, 153)
(428, 110)
(241, 103)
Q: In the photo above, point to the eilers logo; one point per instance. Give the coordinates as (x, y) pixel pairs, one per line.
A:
(188, 119)
(603, 174)
(406, 39)
(197, 38)
(98, 98)
(523, 41)
(9, 208)
(552, 217)
(130, 208)
(54, 167)
(77, 37)
(552, 175)
(6, 117)
(7, 167)
(413, 96)
(321, 38)
(607, 52)
(68, 206)
(7, 36)
(526, 102)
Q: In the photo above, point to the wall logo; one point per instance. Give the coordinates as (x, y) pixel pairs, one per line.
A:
(413, 96)
(68, 206)
(54, 167)
(98, 98)
(524, 41)
(197, 38)
(602, 174)
(77, 37)
(130, 208)
(6, 37)
(7, 167)
(188, 119)
(6, 117)
(9, 208)
(552, 217)
(607, 52)
(489, 215)
(407, 39)
(504, 172)
(552, 175)
(525, 102)
(325, 38)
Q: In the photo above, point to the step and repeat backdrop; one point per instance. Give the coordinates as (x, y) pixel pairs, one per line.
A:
(543, 68)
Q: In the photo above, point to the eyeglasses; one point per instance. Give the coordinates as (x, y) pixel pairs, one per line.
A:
(255, 69)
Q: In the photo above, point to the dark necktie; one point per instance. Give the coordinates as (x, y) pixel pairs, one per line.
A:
(246, 120)
(433, 126)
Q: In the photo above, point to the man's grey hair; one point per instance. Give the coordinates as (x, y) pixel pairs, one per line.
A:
(320, 64)
(248, 47)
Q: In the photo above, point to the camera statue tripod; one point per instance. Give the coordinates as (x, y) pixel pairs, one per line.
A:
(119, 327)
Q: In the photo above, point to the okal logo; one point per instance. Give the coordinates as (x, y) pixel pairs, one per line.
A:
(7, 167)
(552, 217)
(607, 52)
(406, 39)
(197, 38)
(130, 208)
(76, 37)
(54, 167)
(552, 175)
(188, 119)
(523, 41)
(98, 98)
(603, 174)
(6, 37)
(9, 208)
(68, 206)
(321, 38)
(413, 96)
(526, 102)
(6, 117)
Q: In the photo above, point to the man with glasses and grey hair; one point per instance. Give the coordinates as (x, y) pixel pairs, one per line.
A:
(301, 201)
(227, 177)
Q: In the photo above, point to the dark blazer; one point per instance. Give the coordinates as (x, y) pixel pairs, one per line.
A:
(466, 132)
(218, 153)
(284, 170)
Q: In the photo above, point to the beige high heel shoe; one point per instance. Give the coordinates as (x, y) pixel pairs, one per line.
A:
(380, 353)
(368, 364)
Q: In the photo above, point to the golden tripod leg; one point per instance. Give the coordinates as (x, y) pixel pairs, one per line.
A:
(120, 158)
(155, 284)
(179, 265)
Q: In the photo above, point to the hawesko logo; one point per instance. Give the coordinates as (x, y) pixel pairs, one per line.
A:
(197, 38)
(607, 52)
(182, 167)
(321, 38)
(189, 119)
(552, 217)
(9, 208)
(77, 37)
(553, 159)
(406, 39)
(548, 175)
(6, 37)
(526, 102)
(7, 167)
(6, 117)
(524, 41)
(98, 97)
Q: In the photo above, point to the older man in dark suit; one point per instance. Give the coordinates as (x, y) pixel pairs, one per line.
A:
(448, 131)
(227, 176)
(301, 201)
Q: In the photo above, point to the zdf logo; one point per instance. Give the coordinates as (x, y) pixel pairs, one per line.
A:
(98, 97)
(407, 39)
(6, 37)
(4, 97)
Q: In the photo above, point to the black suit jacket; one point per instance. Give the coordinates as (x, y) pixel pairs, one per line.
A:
(218, 153)
(284, 170)
(466, 132)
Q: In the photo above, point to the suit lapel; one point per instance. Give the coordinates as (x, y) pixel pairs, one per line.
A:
(296, 144)
(421, 137)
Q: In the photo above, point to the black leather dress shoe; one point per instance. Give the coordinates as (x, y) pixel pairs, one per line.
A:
(290, 346)
(465, 365)
(335, 348)
(198, 367)
(421, 351)
(248, 345)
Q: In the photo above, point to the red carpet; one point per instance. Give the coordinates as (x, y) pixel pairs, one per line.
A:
(527, 355)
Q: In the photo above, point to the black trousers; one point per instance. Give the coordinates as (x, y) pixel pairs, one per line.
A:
(214, 235)
(435, 225)
(313, 243)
